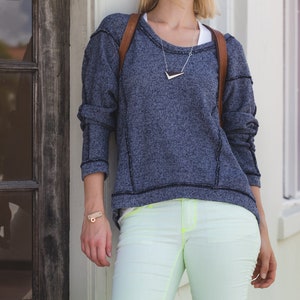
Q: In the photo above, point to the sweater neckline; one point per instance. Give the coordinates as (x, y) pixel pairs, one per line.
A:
(146, 28)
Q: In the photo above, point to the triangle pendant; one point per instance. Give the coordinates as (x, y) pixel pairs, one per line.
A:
(172, 75)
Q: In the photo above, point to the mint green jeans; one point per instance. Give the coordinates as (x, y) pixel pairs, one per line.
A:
(217, 243)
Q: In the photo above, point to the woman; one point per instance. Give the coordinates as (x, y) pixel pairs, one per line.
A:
(187, 191)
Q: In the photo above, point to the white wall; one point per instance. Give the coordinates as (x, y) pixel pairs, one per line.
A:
(259, 26)
(78, 265)
(265, 56)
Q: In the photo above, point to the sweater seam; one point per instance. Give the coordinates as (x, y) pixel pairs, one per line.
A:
(88, 140)
(93, 161)
(253, 174)
(218, 155)
(117, 42)
(127, 141)
(239, 77)
(87, 122)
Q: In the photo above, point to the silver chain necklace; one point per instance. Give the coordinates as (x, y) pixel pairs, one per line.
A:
(172, 74)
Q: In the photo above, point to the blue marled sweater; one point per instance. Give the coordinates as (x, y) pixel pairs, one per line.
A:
(170, 144)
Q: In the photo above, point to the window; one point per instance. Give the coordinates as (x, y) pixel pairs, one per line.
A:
(18, 70)
(292, 101)
(34, 158)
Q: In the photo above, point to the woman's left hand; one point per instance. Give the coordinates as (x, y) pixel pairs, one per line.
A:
(265, 270)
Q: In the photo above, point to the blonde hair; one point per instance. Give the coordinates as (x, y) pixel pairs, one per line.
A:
(203, 9)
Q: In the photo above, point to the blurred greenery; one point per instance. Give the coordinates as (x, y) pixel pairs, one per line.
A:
(3, 51)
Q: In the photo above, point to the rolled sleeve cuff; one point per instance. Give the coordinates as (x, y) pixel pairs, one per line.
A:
(254, 180)
(93, 114)
(91, 167)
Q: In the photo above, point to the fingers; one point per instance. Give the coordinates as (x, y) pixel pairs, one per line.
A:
(96, 252)
(256, 272)
(96, 243)
(264, 268)
(108, 244)
(265, 271)
(263, 283)
(101, 258)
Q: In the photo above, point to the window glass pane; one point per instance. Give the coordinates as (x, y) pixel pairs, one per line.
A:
(16, 29)
(15, 245)
(15, 126)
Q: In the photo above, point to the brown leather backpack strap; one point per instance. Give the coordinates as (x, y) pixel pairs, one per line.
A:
(127, 37)
(222, 59)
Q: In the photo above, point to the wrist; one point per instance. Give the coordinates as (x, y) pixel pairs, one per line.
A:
(93, 204)
(263, 228)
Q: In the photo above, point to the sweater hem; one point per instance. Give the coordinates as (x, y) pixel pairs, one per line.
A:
(127, 200)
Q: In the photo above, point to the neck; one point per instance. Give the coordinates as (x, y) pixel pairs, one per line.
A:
(175, 13)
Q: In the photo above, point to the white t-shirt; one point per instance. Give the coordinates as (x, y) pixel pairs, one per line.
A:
(204, 36)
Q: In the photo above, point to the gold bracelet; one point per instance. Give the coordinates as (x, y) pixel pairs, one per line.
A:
(93, 216)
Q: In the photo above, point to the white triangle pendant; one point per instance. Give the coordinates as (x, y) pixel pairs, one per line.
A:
(172, 75)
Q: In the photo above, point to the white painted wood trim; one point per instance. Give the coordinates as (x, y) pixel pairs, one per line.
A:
(289, 221)
(291, 85)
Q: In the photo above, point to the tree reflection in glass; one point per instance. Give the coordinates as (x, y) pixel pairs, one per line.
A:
(15, 29)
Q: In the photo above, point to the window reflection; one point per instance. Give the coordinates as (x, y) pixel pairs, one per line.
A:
(15, 245)
(15, 126)
(15, 29)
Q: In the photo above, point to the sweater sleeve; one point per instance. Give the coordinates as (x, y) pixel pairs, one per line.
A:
(99, 100)
(239, 109)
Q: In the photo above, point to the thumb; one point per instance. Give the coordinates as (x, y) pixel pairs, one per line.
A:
(264, 266)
